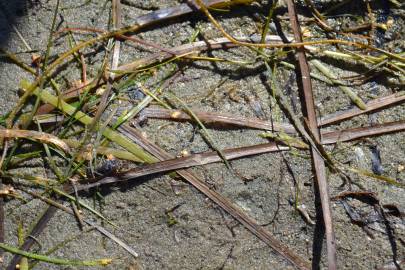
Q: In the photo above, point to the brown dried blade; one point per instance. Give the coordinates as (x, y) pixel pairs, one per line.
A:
(224, 203)
(211, 157)
(213, 118)
(355, 133)
(372, 105)
(182, 163)
(34, 135)
(328, 137)
(199, 46)
(318, 162)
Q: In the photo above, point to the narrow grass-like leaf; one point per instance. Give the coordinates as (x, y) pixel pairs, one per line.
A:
(349, 92)
(59, 261)
(85, 119)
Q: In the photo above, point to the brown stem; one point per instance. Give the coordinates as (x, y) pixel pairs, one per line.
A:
(318, 162)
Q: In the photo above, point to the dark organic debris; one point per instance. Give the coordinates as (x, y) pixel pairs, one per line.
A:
(376, 165)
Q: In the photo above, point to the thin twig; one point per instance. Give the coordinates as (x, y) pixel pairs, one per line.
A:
(9, 21)
(135, 40)
(36, 135)
(198, 46)
(328, 137)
